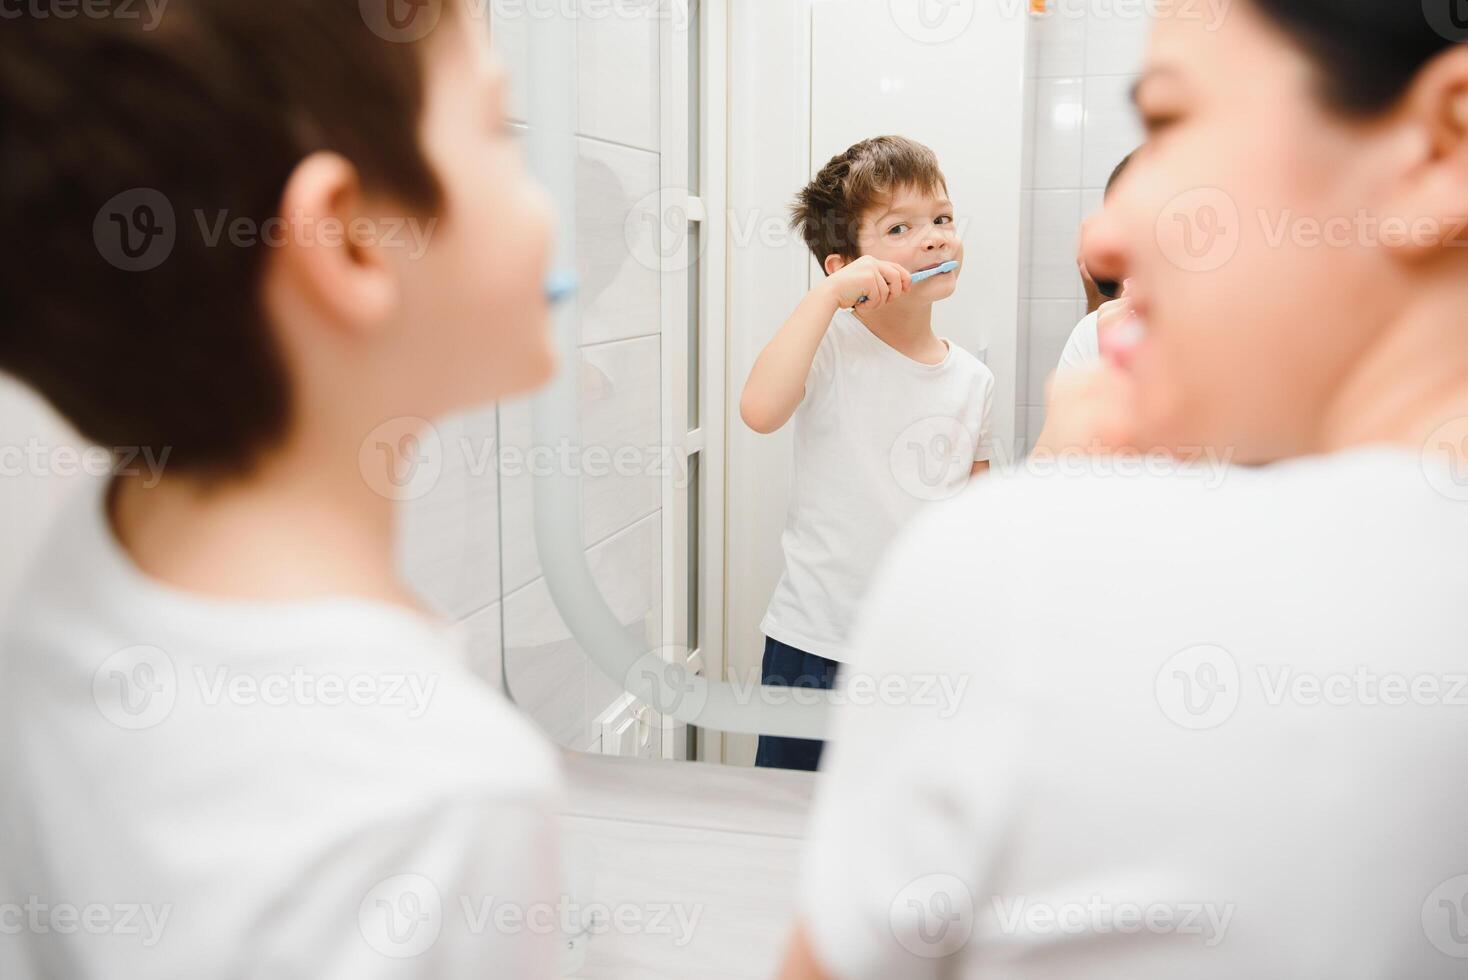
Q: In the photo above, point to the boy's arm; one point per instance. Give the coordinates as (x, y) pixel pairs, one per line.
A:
(986, 432)
(776, 384)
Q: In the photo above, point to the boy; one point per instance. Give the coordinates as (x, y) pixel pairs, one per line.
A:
(231, 744)
(887, 415)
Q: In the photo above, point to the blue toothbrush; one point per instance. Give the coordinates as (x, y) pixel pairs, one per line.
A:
(559, 286)
(918, 277)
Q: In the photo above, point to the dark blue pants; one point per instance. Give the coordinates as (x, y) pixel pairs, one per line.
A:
(785, 666)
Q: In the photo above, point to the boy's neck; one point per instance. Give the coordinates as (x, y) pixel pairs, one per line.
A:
(906, 326)
(305, 525)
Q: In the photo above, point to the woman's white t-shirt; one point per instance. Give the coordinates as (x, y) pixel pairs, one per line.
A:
(197, 787)
(878, 437)
(1159, 726)
(1083, 346)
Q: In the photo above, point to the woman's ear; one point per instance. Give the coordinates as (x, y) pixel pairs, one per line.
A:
(325, 258)
(834, 264)
(1431, 197)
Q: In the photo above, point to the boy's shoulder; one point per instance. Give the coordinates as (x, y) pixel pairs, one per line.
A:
(969, 363)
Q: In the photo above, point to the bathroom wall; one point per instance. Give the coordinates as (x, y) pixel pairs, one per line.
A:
(1083, 59)
(468, 545)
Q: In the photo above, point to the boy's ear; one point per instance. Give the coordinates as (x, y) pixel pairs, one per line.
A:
(834, 264)
(350, 283)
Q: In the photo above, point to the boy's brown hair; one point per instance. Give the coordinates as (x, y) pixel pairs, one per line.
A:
(828, 211)
(208, 111)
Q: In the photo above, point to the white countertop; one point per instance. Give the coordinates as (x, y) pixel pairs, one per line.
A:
(701, 861)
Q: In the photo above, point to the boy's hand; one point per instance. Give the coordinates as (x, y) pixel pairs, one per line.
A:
(880, 282)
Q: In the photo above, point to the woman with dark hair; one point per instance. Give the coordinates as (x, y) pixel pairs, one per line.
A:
(1226, 737)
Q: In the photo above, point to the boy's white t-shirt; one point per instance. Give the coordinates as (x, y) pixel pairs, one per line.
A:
(197, 787)
(878, 437)
(1158, 727)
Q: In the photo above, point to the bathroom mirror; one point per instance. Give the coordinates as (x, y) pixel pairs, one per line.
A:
(610, 546)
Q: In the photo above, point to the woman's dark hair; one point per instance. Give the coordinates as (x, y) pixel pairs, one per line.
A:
(1368, 51)
(124, 145)
(1120, 169)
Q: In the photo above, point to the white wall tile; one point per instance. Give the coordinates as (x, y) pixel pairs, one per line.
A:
(1051, 321)
(1116, 41)
(1053, 272)
(1034, 423)
(616, 63)
(1061, 40)
(620, 411)
(1026, 243)
(1111, 131)
(616, 236)
(617, 71)
(448, 539)
(1023, 395)
(511, 39)
(481, 631)
(1059, 112)
(1091, 200)
(1091, 59)
(550, 677)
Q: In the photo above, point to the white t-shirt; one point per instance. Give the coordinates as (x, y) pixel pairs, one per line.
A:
(1180, 748)
(197, 787)
(878, 437)
(1083, 348)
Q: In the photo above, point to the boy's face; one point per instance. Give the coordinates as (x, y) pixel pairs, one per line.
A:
(915, 228)
(474, 304)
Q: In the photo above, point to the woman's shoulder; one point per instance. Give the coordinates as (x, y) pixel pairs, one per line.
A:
(1079, 505)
